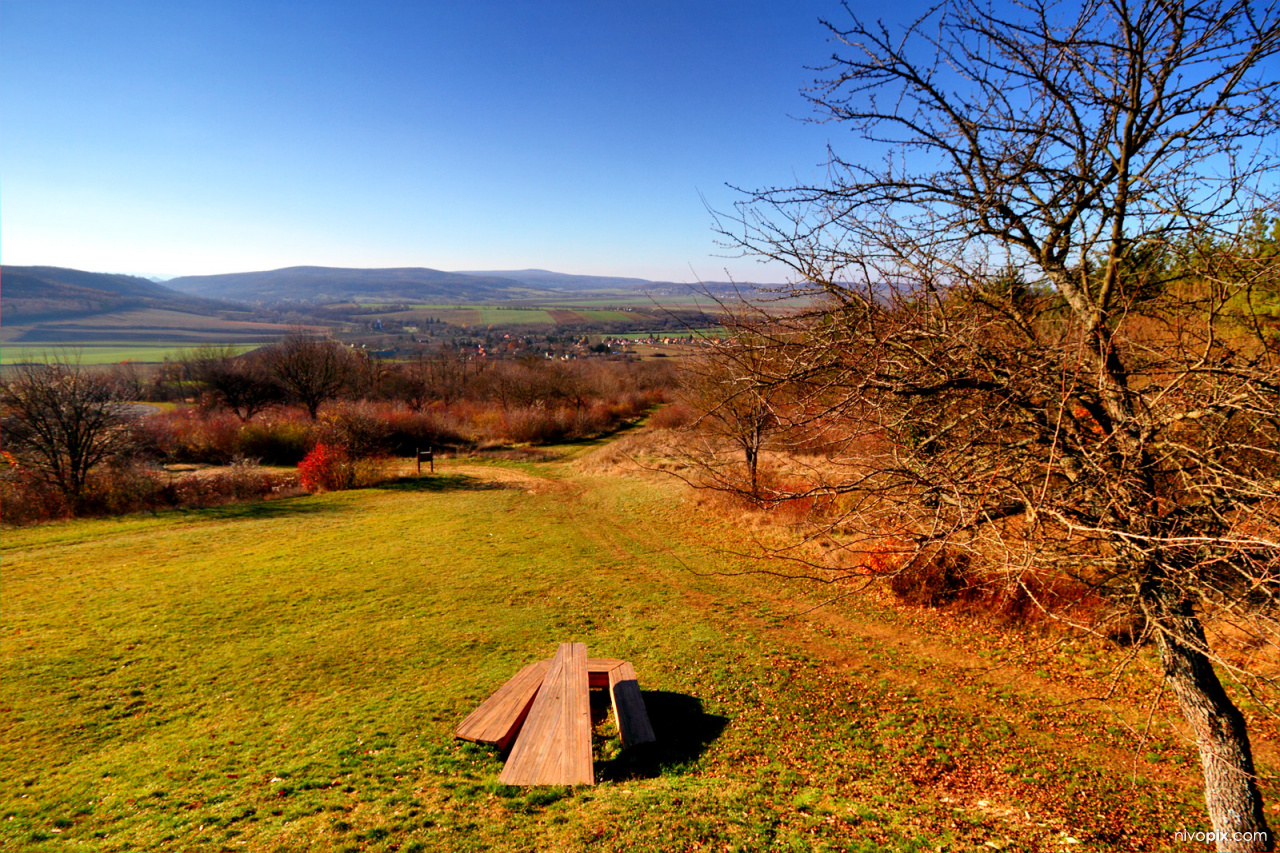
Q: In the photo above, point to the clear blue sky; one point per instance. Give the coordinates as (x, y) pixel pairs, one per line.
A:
(173, 137)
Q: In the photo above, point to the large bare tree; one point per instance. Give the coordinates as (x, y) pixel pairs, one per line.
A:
(62, 420)
(1041, 338)
(313, 370)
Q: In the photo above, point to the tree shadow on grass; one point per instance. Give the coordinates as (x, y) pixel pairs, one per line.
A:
(683, 731)
(441, 483)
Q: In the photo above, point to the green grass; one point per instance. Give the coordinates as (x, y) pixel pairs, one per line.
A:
(287, 675)
(112, 353)
(494, 315)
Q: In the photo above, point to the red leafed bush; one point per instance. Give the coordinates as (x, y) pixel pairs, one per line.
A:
(672, 416)
(327, 468)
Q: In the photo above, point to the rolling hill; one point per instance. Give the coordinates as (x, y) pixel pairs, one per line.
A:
(55, 306)
(31, 294)
(548, 280)
(336, 284)
(417, 284)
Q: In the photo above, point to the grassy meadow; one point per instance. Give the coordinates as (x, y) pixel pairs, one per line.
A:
(111, 353)
(287, 675)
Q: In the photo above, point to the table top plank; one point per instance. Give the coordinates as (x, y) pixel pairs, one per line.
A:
(553, 746)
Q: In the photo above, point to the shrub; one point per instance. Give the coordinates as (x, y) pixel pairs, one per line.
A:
(409, 431)
(189, 435)
(672, 416)
(120, 489)
(360, 428)
(281, 440)
(26, 498)
(792, 499)
(327, 468)
(933, 578)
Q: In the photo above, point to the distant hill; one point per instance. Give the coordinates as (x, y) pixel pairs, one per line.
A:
(565, 281)
(337, 284)
(549, 280)
(29, 294)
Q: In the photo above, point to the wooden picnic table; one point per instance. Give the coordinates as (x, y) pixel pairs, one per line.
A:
(545, 711)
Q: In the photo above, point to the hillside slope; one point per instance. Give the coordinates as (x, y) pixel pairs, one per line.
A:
(29, 294)
(565, 281)
(339, 284)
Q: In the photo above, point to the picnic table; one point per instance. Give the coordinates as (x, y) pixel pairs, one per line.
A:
(544, 714)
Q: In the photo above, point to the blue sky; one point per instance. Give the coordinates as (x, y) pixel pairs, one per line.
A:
(177, 137)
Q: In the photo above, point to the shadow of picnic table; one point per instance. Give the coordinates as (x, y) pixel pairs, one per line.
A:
(683, 730)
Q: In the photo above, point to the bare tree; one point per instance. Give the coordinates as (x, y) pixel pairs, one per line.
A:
(1040, 340)
(241, 383)
(63, 421)
(732, 387)
(313, 370)
(443, 375)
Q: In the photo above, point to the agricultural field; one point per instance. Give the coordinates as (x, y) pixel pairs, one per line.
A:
(148, 352)
(495, 315)
(144, 335)
(288, 675)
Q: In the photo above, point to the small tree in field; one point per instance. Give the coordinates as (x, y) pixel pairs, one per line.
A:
(1041, 339)
(312, 370)
(62, 421)
(738, 407)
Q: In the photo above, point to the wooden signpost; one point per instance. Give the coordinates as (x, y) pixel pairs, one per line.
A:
(426, 456)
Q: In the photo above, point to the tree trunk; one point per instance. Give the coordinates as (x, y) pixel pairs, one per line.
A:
(1230, 786)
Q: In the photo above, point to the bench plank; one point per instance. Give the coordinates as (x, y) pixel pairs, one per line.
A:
(499, 717)
(553, 746)
(628, 706)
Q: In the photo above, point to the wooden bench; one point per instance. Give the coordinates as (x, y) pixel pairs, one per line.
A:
(628, 706)
(499, 717)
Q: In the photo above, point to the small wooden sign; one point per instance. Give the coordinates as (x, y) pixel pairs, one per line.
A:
(426, 456)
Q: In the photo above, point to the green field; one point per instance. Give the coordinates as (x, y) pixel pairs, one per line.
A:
(288, 675)
(496, 315)
(111, 353)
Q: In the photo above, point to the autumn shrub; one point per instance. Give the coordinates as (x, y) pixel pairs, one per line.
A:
(791, 499)
(672, 416)
(192, 435)
(327, 468)
(408, 431)
(932, 578)
(280, 439)
(217, 438)
(26, 498)
(949, 577)
(120, 489)
(362, 429)
(534, 425)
